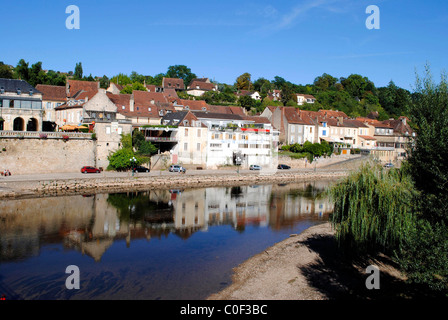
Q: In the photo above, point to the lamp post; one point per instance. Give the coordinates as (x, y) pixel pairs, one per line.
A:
(133, 160)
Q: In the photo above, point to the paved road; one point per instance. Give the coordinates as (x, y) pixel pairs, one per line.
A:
(155, 173)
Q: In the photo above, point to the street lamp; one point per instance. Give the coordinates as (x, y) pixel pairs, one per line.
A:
(133, 160)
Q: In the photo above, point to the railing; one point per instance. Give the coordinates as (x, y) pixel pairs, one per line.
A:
(161, 139)
(43, 135)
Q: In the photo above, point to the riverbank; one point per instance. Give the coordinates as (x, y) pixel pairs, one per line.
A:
(309, 266)
(76, 183)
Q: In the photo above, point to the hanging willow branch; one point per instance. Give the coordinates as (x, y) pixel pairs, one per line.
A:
(373, 209)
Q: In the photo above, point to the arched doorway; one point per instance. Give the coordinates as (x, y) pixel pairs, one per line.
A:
(18, 124)
(31, 125)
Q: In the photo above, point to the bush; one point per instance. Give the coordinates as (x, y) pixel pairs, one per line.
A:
(120, 160)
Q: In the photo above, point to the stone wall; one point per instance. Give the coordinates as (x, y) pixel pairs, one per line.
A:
(33, 156)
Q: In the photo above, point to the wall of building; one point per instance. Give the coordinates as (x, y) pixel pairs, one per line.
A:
(33, 156)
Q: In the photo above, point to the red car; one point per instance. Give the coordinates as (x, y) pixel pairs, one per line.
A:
(87, 169)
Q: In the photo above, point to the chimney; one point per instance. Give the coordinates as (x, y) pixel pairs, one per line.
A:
(403, 120)
(131, 103)
(340, 120)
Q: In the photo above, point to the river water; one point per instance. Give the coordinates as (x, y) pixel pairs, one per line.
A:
(153, 245)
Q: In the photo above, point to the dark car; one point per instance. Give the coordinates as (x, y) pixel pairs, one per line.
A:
(141, 169)
(283, 166)
(88, 169)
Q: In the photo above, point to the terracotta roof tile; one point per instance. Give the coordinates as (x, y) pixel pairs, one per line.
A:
(52, 93)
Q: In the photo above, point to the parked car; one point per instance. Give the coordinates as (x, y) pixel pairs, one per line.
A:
(141, 169)
(389, 165)
(177, 168)
(283, 166)
(89, 169)
(254, 167)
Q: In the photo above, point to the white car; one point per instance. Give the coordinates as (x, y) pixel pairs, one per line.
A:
(177, 168)
(254, 167)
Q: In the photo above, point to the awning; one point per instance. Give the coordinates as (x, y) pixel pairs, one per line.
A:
(68, 127)
(328, 139)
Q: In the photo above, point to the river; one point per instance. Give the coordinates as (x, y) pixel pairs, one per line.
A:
(155, 245)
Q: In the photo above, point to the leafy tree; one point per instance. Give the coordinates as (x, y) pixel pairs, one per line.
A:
(246, 102)
(21, 70)
(325, 82)
(278, 82)
(78, 71)
(121, 79)
(5, 71)
(243, 82)
(135, 86)
(121, 159)
(262, 85)
(104, 82)
(373, 210)
(136, 77)
(356, 85)
(181, 72)
(143, 147)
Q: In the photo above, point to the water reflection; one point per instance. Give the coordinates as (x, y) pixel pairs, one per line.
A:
(91, 224)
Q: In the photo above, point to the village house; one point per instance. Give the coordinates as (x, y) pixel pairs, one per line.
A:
(173, 83)
(52, 97)
(198, 87)
(305, 98)
(238, 140)
(20, 106)
(253, 94)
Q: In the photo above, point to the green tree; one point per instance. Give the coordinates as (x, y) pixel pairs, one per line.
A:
(77, 75)
(21, 70)
(181, 72)
(5, 71)
(143, 147)
(325, 82)
(243, 82)
(246, 102)
(135, 86)
(121, 79)
(104, 82)
(356, 85)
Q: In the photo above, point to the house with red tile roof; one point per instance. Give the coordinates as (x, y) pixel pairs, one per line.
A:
(198, 87)
(52, 97)
(305, 98)
(173, 83)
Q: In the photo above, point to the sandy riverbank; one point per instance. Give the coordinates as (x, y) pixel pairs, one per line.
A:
(309, 266)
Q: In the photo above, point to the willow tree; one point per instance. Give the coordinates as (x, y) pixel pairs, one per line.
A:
(373, 209)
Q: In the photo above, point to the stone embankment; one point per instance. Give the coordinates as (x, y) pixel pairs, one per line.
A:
(107, 184)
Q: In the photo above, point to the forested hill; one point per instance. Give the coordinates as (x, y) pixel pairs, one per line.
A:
(355, 94)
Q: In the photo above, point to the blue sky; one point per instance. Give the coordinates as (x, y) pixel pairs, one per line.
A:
(297, 40)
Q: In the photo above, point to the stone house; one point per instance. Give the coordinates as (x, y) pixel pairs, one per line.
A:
(52, 97)
(20, 106)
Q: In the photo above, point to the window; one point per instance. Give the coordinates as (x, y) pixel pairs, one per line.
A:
(324, 132)
(199, 133)
(107, 130)
(292, 129)
(198, 146)
(186, 146)
(120, 130)
(186, 132)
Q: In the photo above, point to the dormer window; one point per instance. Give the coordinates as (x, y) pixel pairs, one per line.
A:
(19, 91)
(161, 113)
(186, 123)
(149, 109)
(2, 90)
(204, 109)
(31, 92)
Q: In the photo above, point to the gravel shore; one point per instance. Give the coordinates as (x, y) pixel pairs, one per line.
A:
(309, 266)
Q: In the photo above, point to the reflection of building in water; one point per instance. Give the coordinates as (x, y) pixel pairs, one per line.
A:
(90, 224)
(237, 206)
(291, 203)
